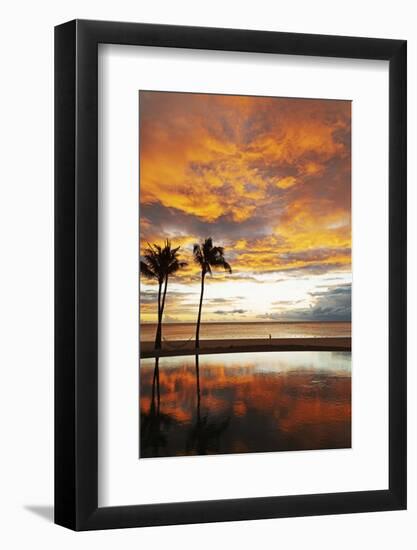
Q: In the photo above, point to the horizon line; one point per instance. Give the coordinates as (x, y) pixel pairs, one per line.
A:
(243, 322)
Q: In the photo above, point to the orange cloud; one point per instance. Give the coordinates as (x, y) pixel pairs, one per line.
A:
(286, 182)
(202, 156)
(268, 178)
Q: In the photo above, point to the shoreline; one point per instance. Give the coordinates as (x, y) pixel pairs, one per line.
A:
(184, 347)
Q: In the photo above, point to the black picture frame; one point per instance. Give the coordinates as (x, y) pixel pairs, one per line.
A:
(76, 271)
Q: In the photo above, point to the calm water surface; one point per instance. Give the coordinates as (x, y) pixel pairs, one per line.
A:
(251, 402)
(225, 331)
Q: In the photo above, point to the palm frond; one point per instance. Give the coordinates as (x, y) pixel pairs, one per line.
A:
(208, 256)
(227, 267)
(176, 266)
(217, 250)
(159, 262)
(146, 271)
(198, 255)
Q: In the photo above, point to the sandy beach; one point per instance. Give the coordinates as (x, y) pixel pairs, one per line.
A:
(181, 347)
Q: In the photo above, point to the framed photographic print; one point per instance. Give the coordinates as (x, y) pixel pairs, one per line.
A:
(230, 275)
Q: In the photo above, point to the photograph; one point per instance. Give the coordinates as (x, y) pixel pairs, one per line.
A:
(245, 274)
(208, 335)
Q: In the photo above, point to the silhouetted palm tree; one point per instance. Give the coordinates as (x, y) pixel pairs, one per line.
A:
(207, 256)
(159, 263)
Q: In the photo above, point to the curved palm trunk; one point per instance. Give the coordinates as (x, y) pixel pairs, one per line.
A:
(158, 336)
(161, 306)
(163, 298)
(197, 333)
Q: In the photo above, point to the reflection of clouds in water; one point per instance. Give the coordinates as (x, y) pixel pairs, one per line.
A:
(273, 361)
(300, 400)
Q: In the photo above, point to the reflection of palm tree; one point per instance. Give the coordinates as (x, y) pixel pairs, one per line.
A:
(154, 424)
(207, 256)
(204, 436)
(155, 384)
(197, 372)
(159, 263)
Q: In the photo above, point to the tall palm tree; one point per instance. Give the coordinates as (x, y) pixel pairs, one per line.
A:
(207, 256)
(159, 263)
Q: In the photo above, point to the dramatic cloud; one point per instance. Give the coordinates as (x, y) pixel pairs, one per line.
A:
(267, 178)
(332, 304)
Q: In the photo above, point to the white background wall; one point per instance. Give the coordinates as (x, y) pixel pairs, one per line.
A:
(26, 272)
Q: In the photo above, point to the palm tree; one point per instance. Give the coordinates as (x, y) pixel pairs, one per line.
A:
(159, 263)
(207, 256)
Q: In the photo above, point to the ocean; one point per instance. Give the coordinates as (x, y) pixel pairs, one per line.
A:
(226, 331)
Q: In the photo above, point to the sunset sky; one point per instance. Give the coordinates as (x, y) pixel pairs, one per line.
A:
(267, 178)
